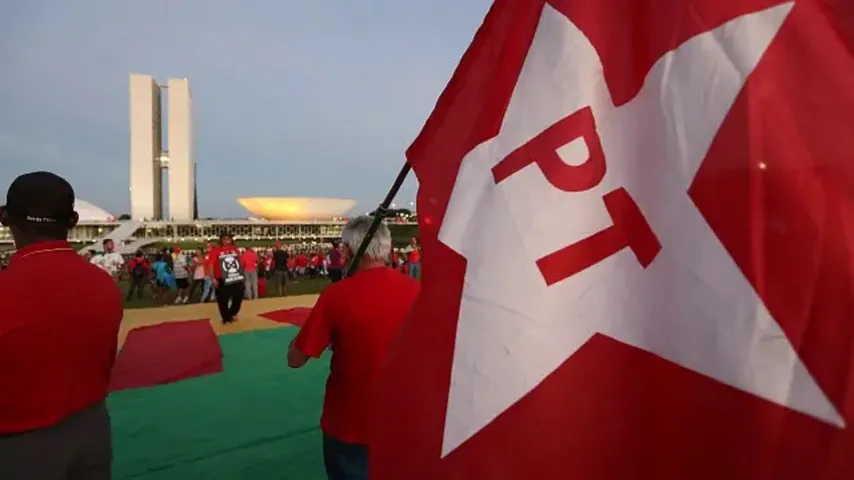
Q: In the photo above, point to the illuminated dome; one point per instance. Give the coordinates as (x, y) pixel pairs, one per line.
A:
(296, 208)
(92, 213)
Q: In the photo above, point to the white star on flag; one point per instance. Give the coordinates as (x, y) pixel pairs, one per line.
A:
(691, 306)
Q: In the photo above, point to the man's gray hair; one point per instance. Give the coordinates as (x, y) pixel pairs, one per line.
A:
(356, 229)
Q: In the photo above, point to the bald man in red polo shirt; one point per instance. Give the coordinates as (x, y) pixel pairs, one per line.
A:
(56, 356)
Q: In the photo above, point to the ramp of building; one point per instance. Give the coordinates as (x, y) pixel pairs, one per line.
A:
(118, 235)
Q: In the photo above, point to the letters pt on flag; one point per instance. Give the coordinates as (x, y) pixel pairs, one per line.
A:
(637, 225)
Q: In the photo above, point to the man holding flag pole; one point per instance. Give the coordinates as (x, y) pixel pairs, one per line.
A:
(668, 187)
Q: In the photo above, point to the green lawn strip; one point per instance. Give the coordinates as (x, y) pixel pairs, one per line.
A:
(257, 419)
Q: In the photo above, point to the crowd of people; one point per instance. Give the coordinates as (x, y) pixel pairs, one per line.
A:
(183, 276)
(58, 355)
(173, 275)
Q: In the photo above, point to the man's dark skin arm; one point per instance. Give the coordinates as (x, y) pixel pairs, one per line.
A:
(296, 359)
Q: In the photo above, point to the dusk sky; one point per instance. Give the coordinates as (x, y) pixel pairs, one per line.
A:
(291, 98)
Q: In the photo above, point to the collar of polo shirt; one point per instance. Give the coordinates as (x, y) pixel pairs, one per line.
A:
(40, 248)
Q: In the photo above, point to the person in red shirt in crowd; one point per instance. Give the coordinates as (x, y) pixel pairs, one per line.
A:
(414, 259)
(292, 265)
(249, 261)
(357, 317)
(266, 273)
(140, 273)
(268, 265)
(335, 262)
(317, 263)
(302, 263)
(227, 278)
(208, 290)
(55, 356)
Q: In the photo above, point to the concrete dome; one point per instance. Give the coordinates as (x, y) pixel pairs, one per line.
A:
(91, 213)
(296, 208)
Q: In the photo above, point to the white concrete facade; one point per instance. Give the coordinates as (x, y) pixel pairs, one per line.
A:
(146, 190)
(148, 158)
(181, 160)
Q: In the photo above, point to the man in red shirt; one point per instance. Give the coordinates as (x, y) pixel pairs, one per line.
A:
(335, 268)
(357, 317)
(316, 264)
(56, 356)
(227, 277)
(139, 275)
(414, 259)
(302, 263)
(208, 290)
(249, 261)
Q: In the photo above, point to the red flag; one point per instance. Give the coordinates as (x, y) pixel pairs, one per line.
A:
(637, 221)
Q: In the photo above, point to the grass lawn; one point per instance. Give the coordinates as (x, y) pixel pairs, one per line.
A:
(302, 286)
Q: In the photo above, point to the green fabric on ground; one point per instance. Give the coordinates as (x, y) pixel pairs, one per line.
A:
(256, 420)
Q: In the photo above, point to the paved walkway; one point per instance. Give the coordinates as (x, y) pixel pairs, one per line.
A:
(249, 318)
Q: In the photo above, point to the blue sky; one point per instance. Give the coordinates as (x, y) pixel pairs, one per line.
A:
(291, 98)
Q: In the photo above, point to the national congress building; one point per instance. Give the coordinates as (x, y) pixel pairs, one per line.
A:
(148, 157)
(285, 218)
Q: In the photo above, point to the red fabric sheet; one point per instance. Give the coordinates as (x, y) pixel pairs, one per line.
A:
(291, 316)
(167, 353)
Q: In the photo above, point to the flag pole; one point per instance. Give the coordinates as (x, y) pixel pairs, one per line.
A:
(379, 214)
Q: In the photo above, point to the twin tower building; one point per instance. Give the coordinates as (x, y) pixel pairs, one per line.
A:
(151, 153)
